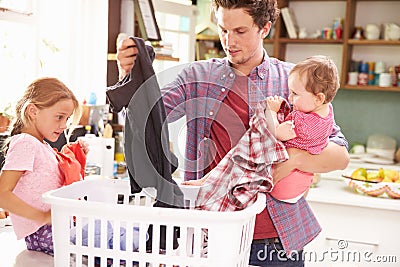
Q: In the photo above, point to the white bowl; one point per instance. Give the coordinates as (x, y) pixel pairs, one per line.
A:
(384, 190)
(382, 153)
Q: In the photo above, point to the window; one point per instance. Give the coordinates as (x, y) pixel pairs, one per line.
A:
(62, 39)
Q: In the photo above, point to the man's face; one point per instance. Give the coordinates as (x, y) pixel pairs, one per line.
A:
(241, 39)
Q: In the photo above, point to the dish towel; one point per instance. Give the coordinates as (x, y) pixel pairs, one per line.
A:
(247, 168)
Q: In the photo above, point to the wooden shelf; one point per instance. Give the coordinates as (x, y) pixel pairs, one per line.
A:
(310, 41)
(113, 56)
(371, 88)
(374, 42)
(269, 41)
(281, 43)
(166, 58)
(204, 37)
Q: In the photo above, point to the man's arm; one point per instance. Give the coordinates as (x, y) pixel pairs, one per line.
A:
(333, 157)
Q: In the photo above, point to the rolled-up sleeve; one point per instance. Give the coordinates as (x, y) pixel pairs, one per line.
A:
(337, 137)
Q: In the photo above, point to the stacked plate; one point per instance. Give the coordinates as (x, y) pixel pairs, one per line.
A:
(380, 149)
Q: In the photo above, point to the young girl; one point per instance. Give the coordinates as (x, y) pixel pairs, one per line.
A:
(31, 167)
(313, 84)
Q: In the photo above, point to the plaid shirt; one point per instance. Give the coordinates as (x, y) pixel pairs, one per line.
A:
(198, 91)
(245, 170)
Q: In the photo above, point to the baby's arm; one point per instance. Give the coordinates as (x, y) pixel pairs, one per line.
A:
(284, 131)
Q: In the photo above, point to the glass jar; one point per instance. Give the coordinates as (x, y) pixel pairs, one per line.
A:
(119, 148)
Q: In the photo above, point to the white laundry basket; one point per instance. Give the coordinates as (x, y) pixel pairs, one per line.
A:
(97, 204)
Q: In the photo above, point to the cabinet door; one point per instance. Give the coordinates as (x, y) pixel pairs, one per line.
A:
(354, 236)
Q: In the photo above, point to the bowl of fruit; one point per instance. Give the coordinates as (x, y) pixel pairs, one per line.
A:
(375, 182)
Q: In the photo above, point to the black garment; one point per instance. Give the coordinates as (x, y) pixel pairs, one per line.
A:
(148, 157)
(147, 153)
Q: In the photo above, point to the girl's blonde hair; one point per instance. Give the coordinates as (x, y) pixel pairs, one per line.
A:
(44, 93)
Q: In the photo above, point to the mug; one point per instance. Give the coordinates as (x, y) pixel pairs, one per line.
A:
(385, 79)
(380, 67)
(372, 32)
(352, 78)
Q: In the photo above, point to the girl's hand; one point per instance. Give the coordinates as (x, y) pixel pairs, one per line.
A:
(47, 217)
(84, 145)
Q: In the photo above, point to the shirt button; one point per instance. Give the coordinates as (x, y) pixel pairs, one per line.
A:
(223, 76)
(231, 75)
(211, 113)
(223, 90)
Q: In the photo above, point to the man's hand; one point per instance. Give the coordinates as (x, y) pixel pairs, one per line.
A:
(333, 157)
(126, 56)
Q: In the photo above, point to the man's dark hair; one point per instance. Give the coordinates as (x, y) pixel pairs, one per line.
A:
(261, 11)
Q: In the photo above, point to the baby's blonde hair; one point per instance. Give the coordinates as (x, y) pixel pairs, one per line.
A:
(321, 75)
(44, 93)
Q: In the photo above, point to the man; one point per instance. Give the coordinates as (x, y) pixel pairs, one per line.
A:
(218, 96)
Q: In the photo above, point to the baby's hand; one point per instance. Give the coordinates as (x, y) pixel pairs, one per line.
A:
(274, 103)
(84, 145)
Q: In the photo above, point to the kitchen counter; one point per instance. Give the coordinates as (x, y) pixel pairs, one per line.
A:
(332, 189)
(335, 191)
(357, 230)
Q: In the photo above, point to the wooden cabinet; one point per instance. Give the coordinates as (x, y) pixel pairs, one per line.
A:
(346, 46)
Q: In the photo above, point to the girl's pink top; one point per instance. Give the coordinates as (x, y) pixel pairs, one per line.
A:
(41, 174)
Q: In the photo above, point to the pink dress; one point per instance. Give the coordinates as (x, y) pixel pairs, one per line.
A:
(313, 133)
(41, 174)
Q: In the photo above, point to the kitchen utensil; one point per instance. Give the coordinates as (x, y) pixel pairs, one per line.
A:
(351, 178)
(371, 187)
